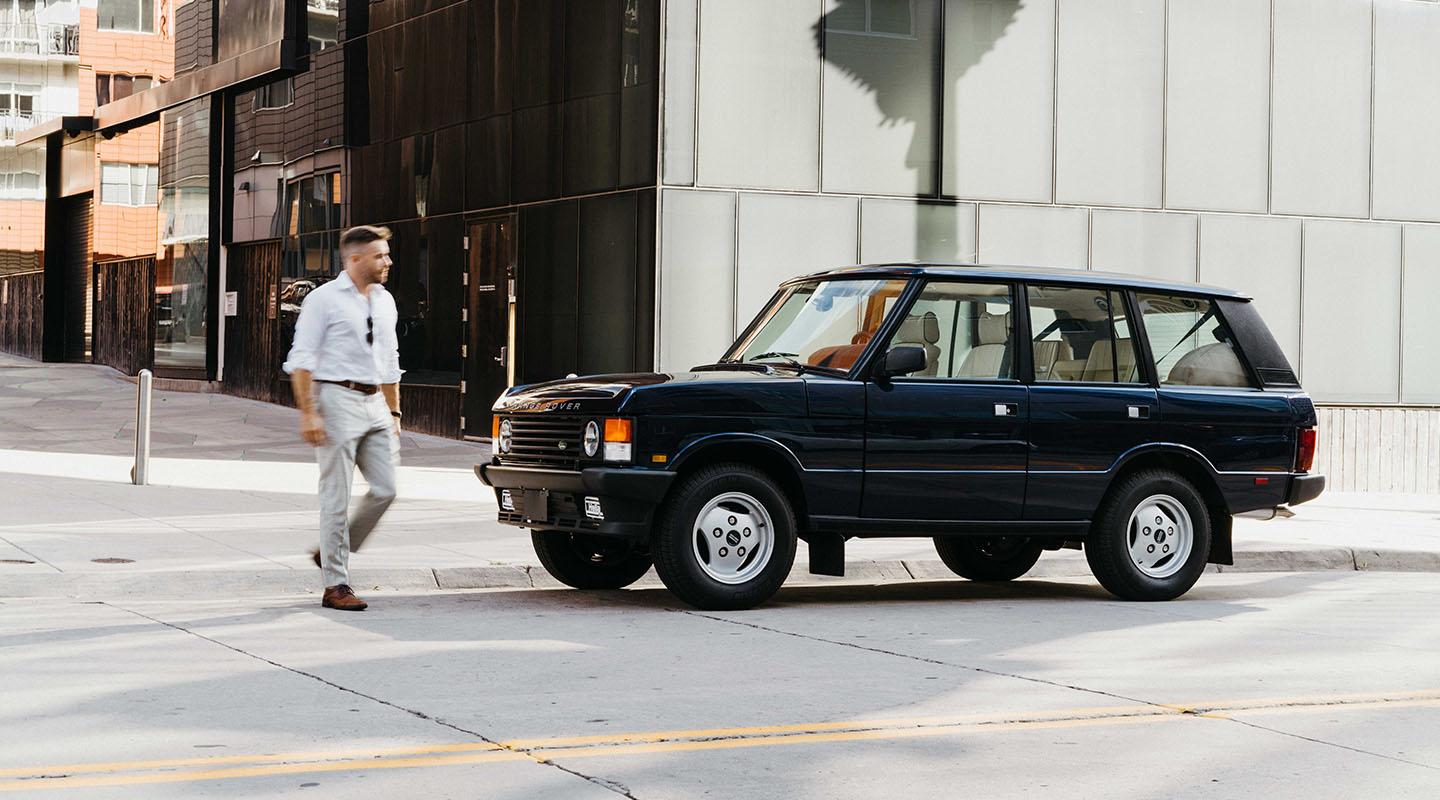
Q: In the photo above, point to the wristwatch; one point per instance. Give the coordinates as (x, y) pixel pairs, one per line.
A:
(396, 414)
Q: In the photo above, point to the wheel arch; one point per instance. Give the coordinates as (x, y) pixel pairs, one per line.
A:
(1192, 466)
(761, 452)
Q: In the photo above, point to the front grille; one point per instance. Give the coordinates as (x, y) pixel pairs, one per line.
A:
(536, 441)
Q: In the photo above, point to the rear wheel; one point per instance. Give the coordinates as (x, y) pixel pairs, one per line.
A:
(725, 538)
(989, 558)
(1151, 537)
(586, 561)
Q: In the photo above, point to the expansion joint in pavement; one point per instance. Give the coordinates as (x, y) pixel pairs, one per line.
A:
(603, 783)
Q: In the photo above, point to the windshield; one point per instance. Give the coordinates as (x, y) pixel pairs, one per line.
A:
(822, 324)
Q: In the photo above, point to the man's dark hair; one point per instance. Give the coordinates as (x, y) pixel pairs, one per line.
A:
(361, 235)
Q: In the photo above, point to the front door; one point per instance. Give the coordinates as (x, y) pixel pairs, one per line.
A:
(490, 316)
(948, 442)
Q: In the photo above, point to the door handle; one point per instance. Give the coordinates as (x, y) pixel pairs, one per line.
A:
(500, 359)
(1138, 412)
(1007, 409)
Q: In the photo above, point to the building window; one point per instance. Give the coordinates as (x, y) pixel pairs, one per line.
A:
(874, 18)
(323, 18)
(136, 16)
(128, 184)
(279, 94)
(109, 88)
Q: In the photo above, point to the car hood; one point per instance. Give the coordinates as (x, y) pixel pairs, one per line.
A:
(700, 393)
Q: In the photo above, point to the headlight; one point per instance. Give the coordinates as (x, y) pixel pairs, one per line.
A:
(504, 439)
(592, 439)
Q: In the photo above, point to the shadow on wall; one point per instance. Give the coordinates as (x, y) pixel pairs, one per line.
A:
(908, 56)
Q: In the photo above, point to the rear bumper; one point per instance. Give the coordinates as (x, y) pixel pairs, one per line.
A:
(627, 498)
(1304, 488)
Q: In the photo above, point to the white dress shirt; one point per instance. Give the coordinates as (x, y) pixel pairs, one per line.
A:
(330, 335)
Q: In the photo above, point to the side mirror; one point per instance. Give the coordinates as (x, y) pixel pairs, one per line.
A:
(902, 360)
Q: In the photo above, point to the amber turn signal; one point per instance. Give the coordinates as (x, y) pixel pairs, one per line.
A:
(618, 430)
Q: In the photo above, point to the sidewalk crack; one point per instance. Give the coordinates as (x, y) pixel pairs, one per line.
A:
(1324, 743)
(603, 783)
(32, 555)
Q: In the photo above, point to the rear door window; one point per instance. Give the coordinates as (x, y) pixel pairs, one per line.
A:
(1190, 342)
(1081, 335)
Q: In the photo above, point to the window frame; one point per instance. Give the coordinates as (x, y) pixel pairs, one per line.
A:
(139, 11)
(1020, 365)
(1253, 376)
(1142, 349)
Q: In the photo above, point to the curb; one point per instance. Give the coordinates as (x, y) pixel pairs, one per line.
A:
(1066, 564)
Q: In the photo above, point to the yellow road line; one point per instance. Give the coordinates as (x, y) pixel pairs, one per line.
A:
(676, 741)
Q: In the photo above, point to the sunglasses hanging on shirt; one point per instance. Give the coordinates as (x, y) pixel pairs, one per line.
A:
(369, 330)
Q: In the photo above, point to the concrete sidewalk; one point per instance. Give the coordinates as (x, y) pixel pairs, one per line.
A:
(233, 508)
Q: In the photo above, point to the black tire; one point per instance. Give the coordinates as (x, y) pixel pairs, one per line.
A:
(586, 561)
(1107, 548)
(988, 558)
(674, 547)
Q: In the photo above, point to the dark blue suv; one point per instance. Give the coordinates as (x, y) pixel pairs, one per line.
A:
(1000, 411)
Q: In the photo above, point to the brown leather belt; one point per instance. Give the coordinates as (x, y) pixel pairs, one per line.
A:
(354, 386)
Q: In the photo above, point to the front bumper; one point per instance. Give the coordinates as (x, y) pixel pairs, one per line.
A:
(1304, 488)
(627, 497)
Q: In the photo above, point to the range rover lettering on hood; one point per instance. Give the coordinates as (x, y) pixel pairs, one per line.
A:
(546, 405)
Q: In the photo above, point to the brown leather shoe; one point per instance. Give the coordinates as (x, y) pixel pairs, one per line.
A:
(342, 598)
(315, 556)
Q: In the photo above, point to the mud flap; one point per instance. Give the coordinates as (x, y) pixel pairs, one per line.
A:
(827, 554)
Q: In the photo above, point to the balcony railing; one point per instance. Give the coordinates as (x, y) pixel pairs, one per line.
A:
(12, 122)
(31, 39)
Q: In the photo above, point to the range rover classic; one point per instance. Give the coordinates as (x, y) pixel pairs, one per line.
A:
(1001, 412)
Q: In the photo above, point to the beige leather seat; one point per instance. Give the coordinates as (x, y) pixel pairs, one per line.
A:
(987, 358)
(1048, 355)
(1099, 368)
(1211, 365)
(924, 331)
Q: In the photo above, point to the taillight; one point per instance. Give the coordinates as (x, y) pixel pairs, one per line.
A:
(1304, 449)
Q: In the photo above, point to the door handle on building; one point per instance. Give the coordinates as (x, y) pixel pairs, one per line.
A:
(500, 359)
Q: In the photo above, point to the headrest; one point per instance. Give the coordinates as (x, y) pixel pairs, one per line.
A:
(924, 328)
(994, 328)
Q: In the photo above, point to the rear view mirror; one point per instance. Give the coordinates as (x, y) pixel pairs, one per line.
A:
(902, 360)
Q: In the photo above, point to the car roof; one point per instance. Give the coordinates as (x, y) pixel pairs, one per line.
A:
(926, 269)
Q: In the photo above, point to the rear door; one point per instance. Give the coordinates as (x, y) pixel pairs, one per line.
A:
(948, 443)
(1090, 402)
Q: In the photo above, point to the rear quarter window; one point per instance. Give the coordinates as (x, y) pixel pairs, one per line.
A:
(1257, 344)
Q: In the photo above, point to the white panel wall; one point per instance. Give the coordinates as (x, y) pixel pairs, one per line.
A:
(782, 236)
(678, 161)
(1421, 356)
(1159, 245)
(1350, 332)
(759, 116)
(1217, 126)
(1110, 102)
(999, 110)
(1321, 139)
(1037, 236)
(904, 230)
(878, 131)
(697, 284)
(1259, 256)
(1407, 110)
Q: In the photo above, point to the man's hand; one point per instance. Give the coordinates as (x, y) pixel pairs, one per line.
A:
(397, 427)
(312, 428)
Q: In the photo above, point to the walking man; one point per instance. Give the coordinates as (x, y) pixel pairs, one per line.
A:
(345, 373)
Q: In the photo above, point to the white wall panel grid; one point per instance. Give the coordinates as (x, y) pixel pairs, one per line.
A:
(697, 276)
(1000, 105)
(1259, 256)
(1037, 236)
(1321, 119)
(1420, 357)
(1350, 329)
(784, 235)
(1407, 110)
(906, 230)
(1217, 117)
(1144, 243)
(1110, 102)
(759, 99)
(678, 148)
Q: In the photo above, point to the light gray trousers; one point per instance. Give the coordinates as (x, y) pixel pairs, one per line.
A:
(359, 431)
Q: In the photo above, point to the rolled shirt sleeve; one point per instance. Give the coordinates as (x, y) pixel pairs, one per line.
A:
(389, 360)
(309, 335)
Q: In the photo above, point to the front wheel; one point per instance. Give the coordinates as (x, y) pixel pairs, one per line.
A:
(1151, 537)
(586, 561)
(989, 558)
(725, 538)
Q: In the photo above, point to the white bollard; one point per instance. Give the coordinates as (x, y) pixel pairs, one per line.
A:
(140, 473)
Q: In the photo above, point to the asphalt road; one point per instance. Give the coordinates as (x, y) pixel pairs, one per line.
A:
(1309, 685)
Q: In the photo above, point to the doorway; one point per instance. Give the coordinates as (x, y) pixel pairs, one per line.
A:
(490, 316)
